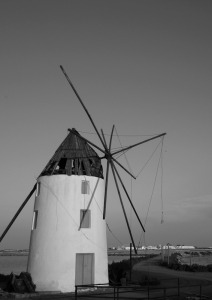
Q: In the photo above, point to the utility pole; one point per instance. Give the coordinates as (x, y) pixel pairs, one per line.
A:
(168, 253)
(130, 261)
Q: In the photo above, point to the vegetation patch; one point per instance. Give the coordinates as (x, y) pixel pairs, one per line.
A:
(175, 262)
(119, 271)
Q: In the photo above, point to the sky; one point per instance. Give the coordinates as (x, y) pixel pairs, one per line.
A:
(144, 66)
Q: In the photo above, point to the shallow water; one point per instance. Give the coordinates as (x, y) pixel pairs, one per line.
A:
(116, 258)
(15, 264)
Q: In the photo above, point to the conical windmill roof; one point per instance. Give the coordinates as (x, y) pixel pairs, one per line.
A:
(74, 157)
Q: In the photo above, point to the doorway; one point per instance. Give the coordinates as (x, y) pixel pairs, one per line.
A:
(84, 272)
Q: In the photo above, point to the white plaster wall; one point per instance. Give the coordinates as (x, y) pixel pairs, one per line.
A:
(57, 238)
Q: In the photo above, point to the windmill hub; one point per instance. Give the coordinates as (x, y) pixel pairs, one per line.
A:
(108, 155)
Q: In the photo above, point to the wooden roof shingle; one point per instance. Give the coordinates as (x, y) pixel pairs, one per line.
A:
(74, 157)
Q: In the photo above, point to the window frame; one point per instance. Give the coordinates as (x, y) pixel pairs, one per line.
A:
(85, 187)
(85, 218)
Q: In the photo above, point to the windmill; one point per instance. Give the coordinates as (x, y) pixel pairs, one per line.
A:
(68, 244)
(109, 156)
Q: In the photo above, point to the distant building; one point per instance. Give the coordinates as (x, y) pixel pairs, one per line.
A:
(177, 247)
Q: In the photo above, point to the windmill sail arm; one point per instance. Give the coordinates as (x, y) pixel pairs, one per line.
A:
(92, 144)
(122, 205)
(107, 170)
(107, 174)
(80, 100)
(129, 198)
(104, 140)
(17, 213)
(111, 136)
(123, 167)
(137, 144)
(106, 187)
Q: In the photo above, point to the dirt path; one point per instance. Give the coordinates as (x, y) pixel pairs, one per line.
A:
(152, 267)
(167, 277)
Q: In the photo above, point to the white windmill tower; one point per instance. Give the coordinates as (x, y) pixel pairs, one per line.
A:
(68, 244)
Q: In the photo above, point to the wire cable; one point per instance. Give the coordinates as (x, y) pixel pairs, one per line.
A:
(120, 243)
(124, 135)
(151, 197)
(130, 169)
(101, 212)
(148, 160)
(161, 190)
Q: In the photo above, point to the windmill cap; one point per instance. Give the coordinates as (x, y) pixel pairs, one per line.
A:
(74, 157)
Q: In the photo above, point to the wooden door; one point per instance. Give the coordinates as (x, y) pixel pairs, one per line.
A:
(84, 272)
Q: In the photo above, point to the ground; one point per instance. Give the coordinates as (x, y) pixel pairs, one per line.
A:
(151, 269)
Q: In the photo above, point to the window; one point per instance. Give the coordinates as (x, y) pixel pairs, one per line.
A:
(37, 189)
(85, 218)
(35, 220)
(85, 187)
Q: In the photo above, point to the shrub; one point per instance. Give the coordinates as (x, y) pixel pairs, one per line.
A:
(118, 270)
(209, 268)
(187, 268)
